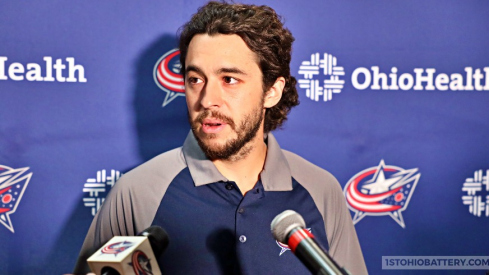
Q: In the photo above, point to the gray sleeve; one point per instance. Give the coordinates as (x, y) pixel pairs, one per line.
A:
(132, 203)
(330, 201)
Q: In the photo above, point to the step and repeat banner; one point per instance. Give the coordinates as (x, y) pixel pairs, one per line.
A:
(394, 103)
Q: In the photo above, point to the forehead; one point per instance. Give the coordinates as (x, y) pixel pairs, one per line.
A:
(220, 50)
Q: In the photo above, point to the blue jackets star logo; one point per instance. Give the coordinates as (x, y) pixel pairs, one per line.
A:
(116, 248)
(13, 183)
(382, 190)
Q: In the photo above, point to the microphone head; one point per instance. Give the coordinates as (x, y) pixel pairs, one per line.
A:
(284, 222)
(158, 238)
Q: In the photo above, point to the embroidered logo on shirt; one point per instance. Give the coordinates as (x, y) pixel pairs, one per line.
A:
(285, 247)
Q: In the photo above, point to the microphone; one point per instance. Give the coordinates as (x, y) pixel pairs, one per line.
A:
(158, 239)
(124, 255)
(288, 228)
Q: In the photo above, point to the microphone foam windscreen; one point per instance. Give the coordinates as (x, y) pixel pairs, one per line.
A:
(284, 222)
(158, 238)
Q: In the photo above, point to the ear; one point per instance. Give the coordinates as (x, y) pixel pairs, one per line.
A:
(274, 94)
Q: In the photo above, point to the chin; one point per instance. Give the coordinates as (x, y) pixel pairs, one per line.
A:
(214, 143)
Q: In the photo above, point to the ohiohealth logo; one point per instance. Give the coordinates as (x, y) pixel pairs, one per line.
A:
(167, 76)
(13, 183)
(475, 191)
(96, 189)
(321, 77)
(423, 79)
(381, 190)
(49, 71)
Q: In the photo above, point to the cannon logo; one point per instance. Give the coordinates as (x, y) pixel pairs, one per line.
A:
(381, 190)
(167, 76)
(13, 183)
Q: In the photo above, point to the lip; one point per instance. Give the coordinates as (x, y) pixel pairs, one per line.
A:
(212, 125)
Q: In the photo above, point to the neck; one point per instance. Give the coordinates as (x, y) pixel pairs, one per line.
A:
(245, 167)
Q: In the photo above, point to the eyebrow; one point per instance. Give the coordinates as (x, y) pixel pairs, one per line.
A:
(234, 70)
(192, 68)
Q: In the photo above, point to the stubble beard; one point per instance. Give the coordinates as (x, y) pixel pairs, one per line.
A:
(233, 149)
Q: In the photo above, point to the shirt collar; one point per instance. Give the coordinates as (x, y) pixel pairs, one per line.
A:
(275, 176)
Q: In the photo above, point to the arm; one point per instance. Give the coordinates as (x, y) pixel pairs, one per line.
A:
(330, 201)
(342, 237)
(132, 203)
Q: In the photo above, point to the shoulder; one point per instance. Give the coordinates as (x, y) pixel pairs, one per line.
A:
(140, 191)
(307, 173)
(330, 201)
(323, 187)
(133, 201)
(159, 170)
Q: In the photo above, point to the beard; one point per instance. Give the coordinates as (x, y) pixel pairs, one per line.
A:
(245, 132)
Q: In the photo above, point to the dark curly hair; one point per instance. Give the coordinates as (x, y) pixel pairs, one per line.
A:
(262, 30)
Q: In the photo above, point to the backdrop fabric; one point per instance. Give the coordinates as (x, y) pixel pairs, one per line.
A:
(394, 102)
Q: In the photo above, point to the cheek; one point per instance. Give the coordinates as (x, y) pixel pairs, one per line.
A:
(191, 100)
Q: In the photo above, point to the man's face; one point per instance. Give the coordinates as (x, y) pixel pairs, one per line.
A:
(224, 92)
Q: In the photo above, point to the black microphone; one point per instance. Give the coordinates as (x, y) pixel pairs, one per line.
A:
(107, 270)
(131, 255)
(289, 228)
(158, 238)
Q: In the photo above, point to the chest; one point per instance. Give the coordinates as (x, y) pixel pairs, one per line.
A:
(213, 229)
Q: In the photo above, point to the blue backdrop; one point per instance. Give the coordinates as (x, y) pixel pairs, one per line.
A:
(403, 83)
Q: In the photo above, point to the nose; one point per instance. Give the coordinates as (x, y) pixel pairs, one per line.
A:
(211, 95)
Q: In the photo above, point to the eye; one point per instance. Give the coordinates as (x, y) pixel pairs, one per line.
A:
(194, 80)
(230, 80)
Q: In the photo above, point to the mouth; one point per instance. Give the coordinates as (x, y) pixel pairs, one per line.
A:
(212, 126)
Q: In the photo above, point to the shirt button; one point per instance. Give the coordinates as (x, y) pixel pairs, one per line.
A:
(242, 238)
(229, 186)
(241, 210)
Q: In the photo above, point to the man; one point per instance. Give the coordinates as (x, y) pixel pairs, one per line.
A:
(217, 195)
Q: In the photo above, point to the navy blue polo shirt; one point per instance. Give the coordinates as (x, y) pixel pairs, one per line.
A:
(213, 228)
